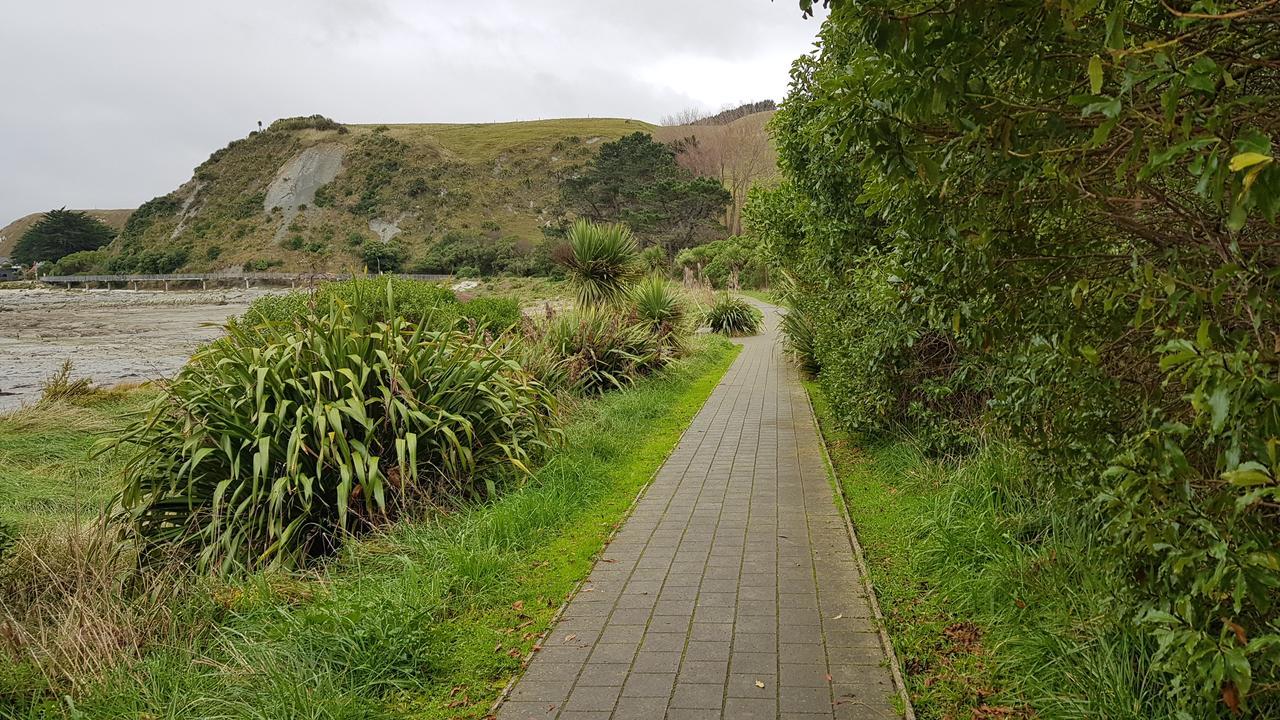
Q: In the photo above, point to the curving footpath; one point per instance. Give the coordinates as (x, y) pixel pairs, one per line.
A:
(733, 589)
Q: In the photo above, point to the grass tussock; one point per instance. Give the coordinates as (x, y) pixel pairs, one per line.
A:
(73, 607)
(733, 316)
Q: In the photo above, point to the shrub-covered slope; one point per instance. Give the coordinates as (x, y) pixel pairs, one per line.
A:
(312, 194)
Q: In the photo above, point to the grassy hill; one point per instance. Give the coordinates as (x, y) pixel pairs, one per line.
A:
(310, 194)
(10, 233)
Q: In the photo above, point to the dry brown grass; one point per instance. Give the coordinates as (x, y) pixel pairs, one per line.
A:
(74, 605)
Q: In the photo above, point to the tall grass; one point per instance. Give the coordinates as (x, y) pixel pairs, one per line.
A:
(996, 601)
(74, 607)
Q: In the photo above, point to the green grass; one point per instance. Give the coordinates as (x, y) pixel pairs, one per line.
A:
(528, 291)
(430, 619)
(485, 141)
(996, 603)
(47, 473)
(761, 295)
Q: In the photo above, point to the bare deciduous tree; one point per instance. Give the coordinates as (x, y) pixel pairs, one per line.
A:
(738, 154)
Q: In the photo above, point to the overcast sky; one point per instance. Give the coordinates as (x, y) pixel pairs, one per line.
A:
(108, 103)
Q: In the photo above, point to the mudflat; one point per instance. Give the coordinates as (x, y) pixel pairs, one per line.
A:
(110, 336)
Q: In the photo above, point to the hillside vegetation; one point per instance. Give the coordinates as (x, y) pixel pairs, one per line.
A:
(312, 194)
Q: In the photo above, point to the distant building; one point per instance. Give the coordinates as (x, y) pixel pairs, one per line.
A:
(10, 272)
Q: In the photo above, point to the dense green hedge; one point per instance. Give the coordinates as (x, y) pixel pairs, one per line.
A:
(1060, 218)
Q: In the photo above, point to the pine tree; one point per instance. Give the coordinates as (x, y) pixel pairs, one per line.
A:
(59, 233)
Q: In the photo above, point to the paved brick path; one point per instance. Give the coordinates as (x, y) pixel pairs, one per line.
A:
(732, 590)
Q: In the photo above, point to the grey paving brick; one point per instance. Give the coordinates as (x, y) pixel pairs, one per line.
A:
(733, 571)
(804, 699)
(614, 653)
(749, 685)
(738, 708)
(601, 674)
(704, 671)
(702, 696)
(657, 662)
(593, 699)
(649, 685)
(753, 662)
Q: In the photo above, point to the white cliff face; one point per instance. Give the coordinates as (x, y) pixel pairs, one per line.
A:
(385, 229)
(298, 180)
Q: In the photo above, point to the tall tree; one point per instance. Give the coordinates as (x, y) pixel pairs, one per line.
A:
(737, 153)
(637, 181)
(59, 233)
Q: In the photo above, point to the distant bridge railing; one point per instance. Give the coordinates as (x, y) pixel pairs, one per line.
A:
(205, 278)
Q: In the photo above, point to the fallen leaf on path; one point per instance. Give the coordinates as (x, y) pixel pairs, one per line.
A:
(759, 683)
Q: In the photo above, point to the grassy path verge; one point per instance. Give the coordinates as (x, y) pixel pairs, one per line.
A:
(998, 606)
(430, 619)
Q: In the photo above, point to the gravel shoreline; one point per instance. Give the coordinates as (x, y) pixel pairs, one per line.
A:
(110, 336)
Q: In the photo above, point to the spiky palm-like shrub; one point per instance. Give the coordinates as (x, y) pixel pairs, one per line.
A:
(798, 328)
(602, 262)
(275, 441)
(600, 350)
(732, 316)
(661, 307)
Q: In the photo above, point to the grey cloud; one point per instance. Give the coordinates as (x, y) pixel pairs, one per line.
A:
(109, 104)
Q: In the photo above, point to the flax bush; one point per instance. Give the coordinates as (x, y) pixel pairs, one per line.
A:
(277, 440)
(732, 316)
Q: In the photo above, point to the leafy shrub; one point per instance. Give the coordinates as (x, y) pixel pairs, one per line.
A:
(85, 262)
(498, 314)
(377, 299)
(1071, 213)
(260, 265)
(380, 257)
(149, 262)
(732, 316)
(597, 350)
(732, 263)
(269, 446)
(602, 261)
(482, 255)
(309, 122)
